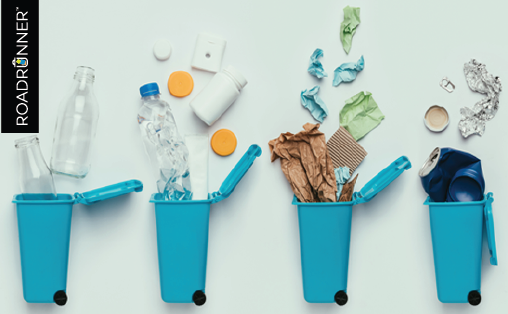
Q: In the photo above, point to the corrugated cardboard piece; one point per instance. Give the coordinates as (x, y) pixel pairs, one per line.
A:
(345, 151)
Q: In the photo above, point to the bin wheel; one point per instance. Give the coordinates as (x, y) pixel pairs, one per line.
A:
(199, 297)
(341, 297)
(60, 297)
(474, 297)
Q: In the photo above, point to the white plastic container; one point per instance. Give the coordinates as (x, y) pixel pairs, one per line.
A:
(218, 95)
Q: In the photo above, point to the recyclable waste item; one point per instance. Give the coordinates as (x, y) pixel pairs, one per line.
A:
(223, 142)
(325, 232)
(315, 66)
(76, 126)
(312, 102)
(182, 237)
(44, 227)
(341, 176)
(345, 151)
(35, 178)
(164, 145)
(208, 53)
(197, 144)
(447, 85)
(180, 84)
(451, 175)
(348, 27)
(306, 164)
(220, 93)
(479, 80)
(162, 49)
(360, 115)
(436, 118)
(457, 231)
(346, 72)
(347, 191)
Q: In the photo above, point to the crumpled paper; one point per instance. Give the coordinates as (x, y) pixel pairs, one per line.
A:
(479, 80)
(360, 115)
(341, 176)
(315, 66)
(348, 190)
(345, 151)
(305, 161)
(348, 26)
(314, 103)
(346, 72)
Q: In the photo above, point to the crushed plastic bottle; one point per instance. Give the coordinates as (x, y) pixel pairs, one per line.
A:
(165, 147)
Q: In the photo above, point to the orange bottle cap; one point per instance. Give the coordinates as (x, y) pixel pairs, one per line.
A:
(223, 142)
(180, 84)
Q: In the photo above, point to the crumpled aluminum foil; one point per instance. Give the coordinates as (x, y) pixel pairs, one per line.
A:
(479, 80)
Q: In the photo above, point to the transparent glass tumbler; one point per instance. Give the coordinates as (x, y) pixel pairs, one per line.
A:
(76, 127)
(36, 180)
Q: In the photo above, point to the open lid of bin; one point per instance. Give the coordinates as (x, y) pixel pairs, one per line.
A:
(382, 180)
(489, 222)
(229, 184)
(107, 192)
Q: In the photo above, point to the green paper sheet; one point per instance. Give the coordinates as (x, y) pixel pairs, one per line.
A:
(360, 115)
(348, 27)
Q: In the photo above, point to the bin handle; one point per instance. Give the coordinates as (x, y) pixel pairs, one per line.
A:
(489, 223)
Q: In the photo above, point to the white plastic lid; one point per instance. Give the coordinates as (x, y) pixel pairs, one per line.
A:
(240, 79)
(208, 53)
(162, 49)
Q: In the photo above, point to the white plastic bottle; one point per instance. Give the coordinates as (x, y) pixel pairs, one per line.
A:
(218, 95)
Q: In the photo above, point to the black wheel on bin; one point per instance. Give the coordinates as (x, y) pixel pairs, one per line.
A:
(341, 297)
(474, 297)
(60, 297)
(199, 297)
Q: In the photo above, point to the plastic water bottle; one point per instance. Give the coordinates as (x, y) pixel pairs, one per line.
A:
(35, 178)
(164, 146)
(75, 127)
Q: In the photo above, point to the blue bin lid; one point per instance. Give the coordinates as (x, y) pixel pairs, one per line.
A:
(489, 222)
(229, 184)
(107, 192)
(381, 180)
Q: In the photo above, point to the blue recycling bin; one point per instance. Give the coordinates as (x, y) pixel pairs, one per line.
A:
(44, 235)
(182, 238)
(325, 233)
(457, 229)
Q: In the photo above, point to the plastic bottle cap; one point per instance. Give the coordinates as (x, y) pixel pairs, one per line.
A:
(180, 84)
(149, 89)
(223, 142)
(162, 50)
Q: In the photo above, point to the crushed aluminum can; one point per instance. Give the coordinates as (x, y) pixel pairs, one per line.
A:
(479, 80)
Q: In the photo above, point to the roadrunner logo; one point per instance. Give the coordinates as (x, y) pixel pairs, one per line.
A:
(20, 83)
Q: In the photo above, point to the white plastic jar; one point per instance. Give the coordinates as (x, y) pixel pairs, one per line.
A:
(218, 95)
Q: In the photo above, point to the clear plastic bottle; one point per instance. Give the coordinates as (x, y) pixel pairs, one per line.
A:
(75, 127)
(164, 145)
(35, 178)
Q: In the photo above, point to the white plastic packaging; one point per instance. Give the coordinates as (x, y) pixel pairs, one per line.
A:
(208, 53)
(218, 95)
(198, 146)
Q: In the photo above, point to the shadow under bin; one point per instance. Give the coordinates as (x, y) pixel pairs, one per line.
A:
(325, 233)
(44, 228)
(182, 237)
(457, 231)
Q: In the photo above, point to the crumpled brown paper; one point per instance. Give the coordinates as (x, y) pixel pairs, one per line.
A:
(305, 161)
(347, 191)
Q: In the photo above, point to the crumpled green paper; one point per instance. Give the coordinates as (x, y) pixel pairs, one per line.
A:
(360, 115)
(348, 26)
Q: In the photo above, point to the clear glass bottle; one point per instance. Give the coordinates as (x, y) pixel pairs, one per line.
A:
(36, 180)
(75, 127)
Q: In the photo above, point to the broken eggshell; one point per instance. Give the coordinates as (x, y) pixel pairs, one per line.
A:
(436, 118)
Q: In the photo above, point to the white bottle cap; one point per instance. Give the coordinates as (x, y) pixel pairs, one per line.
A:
(162, 49)
(240, 79)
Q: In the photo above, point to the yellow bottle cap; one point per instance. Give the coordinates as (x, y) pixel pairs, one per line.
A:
(223, 142)
(180, 84)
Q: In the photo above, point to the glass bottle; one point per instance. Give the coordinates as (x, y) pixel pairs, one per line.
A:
(35, 178)
(75, 127)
